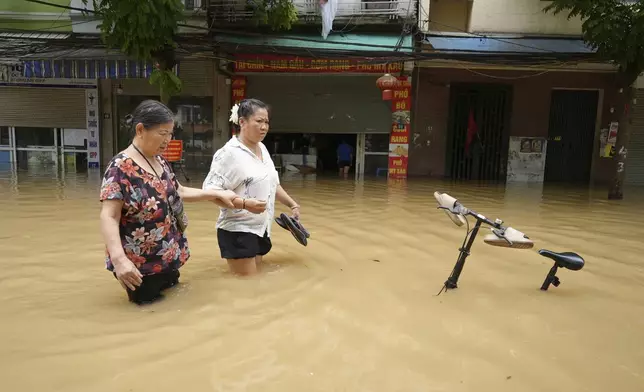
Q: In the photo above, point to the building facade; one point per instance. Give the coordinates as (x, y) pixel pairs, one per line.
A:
(480, 95)
(322, 89)
(67, 106)
(515, 97)
(322, 86)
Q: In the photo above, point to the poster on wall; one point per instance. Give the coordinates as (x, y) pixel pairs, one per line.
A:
(530, 145)
(607, 140)
(526, 159)
(74, 137)
(399, 137)
(238, 94)
(91, 105)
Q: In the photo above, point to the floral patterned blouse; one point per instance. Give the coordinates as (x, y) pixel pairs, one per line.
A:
(150, 238)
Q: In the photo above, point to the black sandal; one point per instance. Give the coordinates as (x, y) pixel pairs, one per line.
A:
(295, 227)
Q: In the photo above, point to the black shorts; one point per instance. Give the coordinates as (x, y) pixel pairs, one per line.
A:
(152, 286)
(344, 164)
(240, 245)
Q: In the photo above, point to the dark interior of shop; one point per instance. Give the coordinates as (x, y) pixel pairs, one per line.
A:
(324, 144)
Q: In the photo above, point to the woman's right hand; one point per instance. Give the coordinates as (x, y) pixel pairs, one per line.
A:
(126, 272)
(255, 206)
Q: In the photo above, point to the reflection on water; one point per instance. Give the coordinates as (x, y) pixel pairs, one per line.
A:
(354, 311)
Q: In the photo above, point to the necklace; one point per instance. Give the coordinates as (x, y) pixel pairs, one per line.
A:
(146, 160)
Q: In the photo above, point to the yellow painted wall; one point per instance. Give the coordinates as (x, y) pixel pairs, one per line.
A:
(449, 15)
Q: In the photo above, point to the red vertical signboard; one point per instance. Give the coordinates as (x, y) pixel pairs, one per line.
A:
(238, 94)
(399, 137)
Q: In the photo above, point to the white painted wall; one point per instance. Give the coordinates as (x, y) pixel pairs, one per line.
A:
(521, 17)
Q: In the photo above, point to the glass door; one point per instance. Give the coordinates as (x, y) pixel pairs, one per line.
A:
(36, 147)
(373, 154)
(73, 149)
(7, 153)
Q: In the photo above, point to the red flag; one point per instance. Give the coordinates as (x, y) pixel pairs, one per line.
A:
(472, 129)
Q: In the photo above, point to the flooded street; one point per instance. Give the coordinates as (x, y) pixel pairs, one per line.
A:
(355, 310)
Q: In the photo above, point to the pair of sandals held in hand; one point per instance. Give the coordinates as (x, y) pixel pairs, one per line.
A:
(294, 226)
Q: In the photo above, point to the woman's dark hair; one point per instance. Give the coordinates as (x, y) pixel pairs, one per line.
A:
(248, 107)
(150, 113)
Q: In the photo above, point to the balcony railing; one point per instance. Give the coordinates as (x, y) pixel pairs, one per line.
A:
(194, 5)
(349, 11)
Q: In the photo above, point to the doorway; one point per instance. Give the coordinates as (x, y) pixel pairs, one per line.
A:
(372, 155)
(318, 151)
(484, 110)
(327, 150)
(571, 135)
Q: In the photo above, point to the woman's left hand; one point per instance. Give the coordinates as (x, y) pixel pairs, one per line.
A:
(226, 196)
(295, 212)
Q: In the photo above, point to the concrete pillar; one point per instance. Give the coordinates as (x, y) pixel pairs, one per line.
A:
(221, 110)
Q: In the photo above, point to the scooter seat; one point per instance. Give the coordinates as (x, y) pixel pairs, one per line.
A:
(568, 260)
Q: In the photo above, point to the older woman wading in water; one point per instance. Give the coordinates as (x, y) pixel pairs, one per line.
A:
(142, 218)
(245, 166)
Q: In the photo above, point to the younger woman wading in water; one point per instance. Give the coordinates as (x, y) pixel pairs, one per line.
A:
(142, 218)
(245, 166)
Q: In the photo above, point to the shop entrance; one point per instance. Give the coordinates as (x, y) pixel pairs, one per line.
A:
(30, 147)
(310, 152)
(318, 151)
(327, 149)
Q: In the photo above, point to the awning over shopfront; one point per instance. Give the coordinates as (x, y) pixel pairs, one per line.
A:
(88, 69)
(56, 55)
(385, 44)
(508, 45)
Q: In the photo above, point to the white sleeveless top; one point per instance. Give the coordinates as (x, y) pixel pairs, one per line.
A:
(235, 167)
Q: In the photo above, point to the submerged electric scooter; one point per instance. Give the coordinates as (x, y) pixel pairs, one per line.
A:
(502, 236)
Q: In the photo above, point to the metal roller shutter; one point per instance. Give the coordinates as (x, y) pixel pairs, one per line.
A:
(635, 158)
(197, 77)
(322, 104)
(42, 107)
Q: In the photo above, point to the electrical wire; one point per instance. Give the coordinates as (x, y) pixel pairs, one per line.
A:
(279, 36)
(379, 55)
(189, 46)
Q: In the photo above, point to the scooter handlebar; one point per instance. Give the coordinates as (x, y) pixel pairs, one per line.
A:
(453, 209)
(501, 236)
(449, 203)
(508, 237)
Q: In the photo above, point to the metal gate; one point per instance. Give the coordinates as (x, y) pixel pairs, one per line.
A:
(635, 158)
(322, 103)
(43, 107)
(489, 106)
(571, 134)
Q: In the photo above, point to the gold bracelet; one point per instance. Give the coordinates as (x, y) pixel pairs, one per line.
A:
(295, 206)
(243, 204)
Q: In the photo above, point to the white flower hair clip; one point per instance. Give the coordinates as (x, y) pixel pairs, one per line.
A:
(234, 115)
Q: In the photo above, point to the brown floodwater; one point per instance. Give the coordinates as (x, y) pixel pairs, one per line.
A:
(355, 310)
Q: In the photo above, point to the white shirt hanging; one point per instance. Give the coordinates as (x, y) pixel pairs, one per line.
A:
(329, 9)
